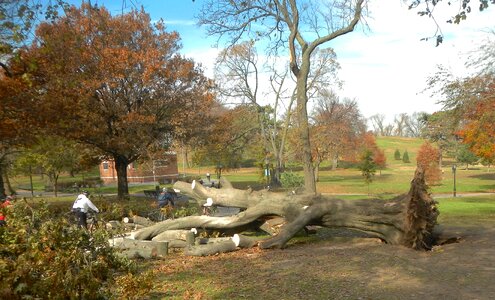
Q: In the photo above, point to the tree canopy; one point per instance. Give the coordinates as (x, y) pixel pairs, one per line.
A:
(117, 83)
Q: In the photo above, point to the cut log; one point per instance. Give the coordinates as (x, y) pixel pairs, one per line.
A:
(243, 241)
(173, 235)
(406, 220)
(204, 241)
(272, 226)
(177, 244)
(144, 249)
(211, 248)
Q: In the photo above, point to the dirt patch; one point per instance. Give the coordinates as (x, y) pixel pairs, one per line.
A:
(342, 265)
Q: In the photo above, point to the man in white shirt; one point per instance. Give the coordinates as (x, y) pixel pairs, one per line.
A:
(81, 207)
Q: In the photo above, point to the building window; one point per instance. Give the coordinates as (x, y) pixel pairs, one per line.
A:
(105, 166)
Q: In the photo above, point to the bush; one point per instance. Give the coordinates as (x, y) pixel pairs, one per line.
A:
(428, 159)
(291, 180)
(47, 258)
(397, 154)
(405, 157)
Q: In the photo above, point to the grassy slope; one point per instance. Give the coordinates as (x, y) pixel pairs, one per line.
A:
(396, 177)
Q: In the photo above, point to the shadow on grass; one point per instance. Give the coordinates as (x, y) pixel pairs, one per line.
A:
(488, 187)
(487, 176)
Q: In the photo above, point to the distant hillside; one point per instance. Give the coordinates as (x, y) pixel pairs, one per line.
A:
(390, 143)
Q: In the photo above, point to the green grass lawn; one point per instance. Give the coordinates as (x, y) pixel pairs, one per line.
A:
(393, 180)
(468, 210)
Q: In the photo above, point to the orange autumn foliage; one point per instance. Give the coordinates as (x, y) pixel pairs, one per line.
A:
(117, 83)
(479, 130)
(428, 159)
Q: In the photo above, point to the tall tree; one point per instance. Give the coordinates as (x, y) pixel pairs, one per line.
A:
(415, 124)
(119, 81)
(230, 137)
(237, 72)
(338, 128)
(16, 124)
(400, 124)
(469, 102)
(378, 123)
(53, 156)
(302, 26)
(441, 128)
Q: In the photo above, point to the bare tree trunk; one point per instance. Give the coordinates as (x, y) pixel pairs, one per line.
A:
(335, 162)
(7, 182)
(2, 187)
(303, 123)
(406, 220)
(121, 164)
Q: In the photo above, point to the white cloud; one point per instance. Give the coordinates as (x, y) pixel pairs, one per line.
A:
(206, 57)
(386, 69)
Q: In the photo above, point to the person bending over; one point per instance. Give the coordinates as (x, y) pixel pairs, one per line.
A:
(81, 207)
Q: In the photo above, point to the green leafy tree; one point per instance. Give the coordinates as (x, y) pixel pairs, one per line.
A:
(466, 156)
(53, 156)
(405, 157)
(397, 154)
(487, 162)
(367, 167)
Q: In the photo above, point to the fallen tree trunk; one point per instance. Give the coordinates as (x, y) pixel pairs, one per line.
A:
(144, 249)
(211, 248)
(406, 220)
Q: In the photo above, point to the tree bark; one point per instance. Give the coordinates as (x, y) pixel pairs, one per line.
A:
(144, 249)
(211, 248)
(2, 186)
(121, 164)
(406, 220)
(303, 123)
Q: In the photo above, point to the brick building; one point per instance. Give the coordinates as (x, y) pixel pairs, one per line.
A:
(162, 170)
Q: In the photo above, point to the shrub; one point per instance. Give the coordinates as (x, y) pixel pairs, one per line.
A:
(397, 154)
(428, 159)
(291, 180)
(47, 258)
(379, 159)
(405, 157)
(367, 167)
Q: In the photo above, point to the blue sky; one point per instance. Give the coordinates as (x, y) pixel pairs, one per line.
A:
(384, 68)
